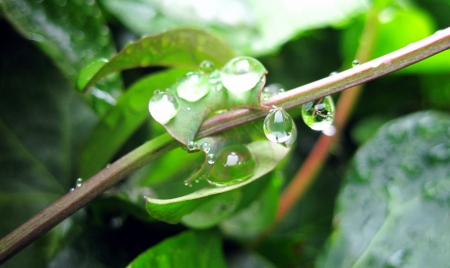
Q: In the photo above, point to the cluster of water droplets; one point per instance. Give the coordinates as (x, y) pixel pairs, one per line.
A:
(239, 75)
(78, 184)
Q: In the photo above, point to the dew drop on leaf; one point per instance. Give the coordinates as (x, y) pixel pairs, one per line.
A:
(233, 164)
(191, 146)
(278, 126)
(271, 90)
(193, 86)
(242, 73)
(163, 107)
(87, 72)
(318, 114)
(215, 80)
(355, 63)
(211, 158)
(207, 67)
(206, 147)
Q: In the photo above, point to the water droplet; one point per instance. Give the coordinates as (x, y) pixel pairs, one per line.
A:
(241, 74)
(206, 147)
(87, 72)
(108, 165)
(318, 114)
(233, 164)
(191, 146)
(278, 125)
(355, 63)
(211, 158)
(188, 183)
(163, 107)
(333, 73)
(207, 67)
(271, 90)
(71, 190)
(215, 80)
(188, 108)
(193, 86)
(440, 152)
(78, 183)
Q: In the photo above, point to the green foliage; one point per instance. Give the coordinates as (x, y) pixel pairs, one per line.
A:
(392, 208)
(397, 187)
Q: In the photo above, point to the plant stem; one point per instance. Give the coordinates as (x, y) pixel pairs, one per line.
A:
(71, 202)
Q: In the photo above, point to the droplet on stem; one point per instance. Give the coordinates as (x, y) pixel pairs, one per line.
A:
(318, 114)
(241, 74)
(79, 183)
(355, 63)
(163, 107)
(278, 125)
(207, 67)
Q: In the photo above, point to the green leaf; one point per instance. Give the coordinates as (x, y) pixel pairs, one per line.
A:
(185, 48)
(73, 33)
(189, 249)
(393, 209)
(250, 27)
(267, 155)
(122, 120)
(42, 126)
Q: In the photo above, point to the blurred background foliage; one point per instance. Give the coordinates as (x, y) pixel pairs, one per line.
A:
(45, 123)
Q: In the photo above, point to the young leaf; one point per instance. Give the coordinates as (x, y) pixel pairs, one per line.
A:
(393, 210)
(267, 155)
(185, 48)
(189, 249)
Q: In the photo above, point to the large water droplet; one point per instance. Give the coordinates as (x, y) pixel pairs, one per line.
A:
(87, 72)
(278, 125)
(233, 164)
(318, 114)
(440, 152)
(163, 107)
(193, 86)
(207, 67)
(241, 74)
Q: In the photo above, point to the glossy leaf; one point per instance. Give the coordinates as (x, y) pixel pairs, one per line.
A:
(73, 33)
(122, 121)
(185, 48)
(393, 209)
(250, 27)
(189, 249)
(266, 154)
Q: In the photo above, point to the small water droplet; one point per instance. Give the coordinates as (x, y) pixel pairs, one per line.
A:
(71, 190)
(333, 73)
(108, 165)
(163, 107)
(278, 125)
(188, 108)
(271, 90)
(355, 63)
(206, 147)
(215, 80)
(241, 74)
(318, 114)
(188, 183)
(193, 86)
(440, 152)
(79, 183)
(191, 146)
(233, 164)
(211, 158)
(207, 67)
(87, 72)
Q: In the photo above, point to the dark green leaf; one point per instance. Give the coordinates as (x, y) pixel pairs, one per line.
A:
(42, 125)
(393, 210)
(189, 249)
(73, 33)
